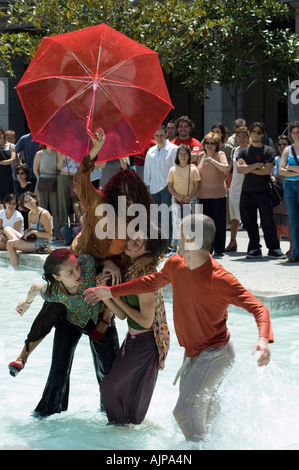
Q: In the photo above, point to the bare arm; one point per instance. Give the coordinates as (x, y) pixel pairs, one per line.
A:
(34, 290)
(145, 316)
(284, 168)
(60, 160)
(36, 164)
(244, 169)
(13, 157)
(264, 170)
(220, 165)
(116, 309)
(123, 163)
(46, 220)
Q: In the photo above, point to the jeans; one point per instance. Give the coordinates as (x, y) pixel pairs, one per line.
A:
(291, 193)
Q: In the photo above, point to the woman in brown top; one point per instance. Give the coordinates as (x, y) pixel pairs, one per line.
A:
(213, 168)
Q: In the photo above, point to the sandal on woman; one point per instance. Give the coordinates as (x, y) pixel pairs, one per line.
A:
(231, 247)
(292, 260)
(16, 367)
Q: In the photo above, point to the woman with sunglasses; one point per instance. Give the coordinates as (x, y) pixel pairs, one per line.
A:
(213, 168)
(23, 179)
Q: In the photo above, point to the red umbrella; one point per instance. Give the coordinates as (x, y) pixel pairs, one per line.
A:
(91, 78)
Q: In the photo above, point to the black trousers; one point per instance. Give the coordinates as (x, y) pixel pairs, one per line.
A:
(250, 203)
(216, 209)
(56, 393)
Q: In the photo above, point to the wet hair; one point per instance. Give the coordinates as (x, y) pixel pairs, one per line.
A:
(183, 147)
(52, 265)
(127, 183)
(156, 244)
(24, 168)
(215, 137)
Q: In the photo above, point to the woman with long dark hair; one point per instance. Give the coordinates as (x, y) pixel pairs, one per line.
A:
(128, 388)
(66, 279)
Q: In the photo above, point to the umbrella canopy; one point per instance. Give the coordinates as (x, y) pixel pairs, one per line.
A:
(91, 78)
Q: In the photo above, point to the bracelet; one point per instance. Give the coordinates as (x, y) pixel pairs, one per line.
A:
(106, 322)
(28, 302)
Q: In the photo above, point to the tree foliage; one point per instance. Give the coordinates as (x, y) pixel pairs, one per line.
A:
(200, 41)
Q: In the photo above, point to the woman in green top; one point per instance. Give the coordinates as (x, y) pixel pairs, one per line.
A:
(67, 277)
(128, 388)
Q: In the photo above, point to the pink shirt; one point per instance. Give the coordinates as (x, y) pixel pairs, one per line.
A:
(212, 184)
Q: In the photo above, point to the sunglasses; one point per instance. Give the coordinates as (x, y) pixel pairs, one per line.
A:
(20, 173)
(256, 132)
(282, 143)
(210, 143)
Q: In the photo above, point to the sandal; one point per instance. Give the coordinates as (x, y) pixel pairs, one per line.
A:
(292, 260)
(231, 247)
(16, 367)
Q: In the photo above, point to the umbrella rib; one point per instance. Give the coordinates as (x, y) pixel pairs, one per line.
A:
(84, 67)
(119, 108)
(121, 64)
(120, 84)
(80, 92)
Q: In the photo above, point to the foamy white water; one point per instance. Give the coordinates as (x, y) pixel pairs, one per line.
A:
(259, 406)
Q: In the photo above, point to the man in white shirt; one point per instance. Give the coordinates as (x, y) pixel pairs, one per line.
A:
(158, 161)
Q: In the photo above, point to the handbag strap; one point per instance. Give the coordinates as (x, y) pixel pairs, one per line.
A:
(37, 226)
(188, 181)
(294, 154)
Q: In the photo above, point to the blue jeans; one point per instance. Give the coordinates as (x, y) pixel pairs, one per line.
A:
(291, 193)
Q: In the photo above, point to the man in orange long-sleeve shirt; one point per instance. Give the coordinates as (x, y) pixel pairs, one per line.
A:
(202, 292)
